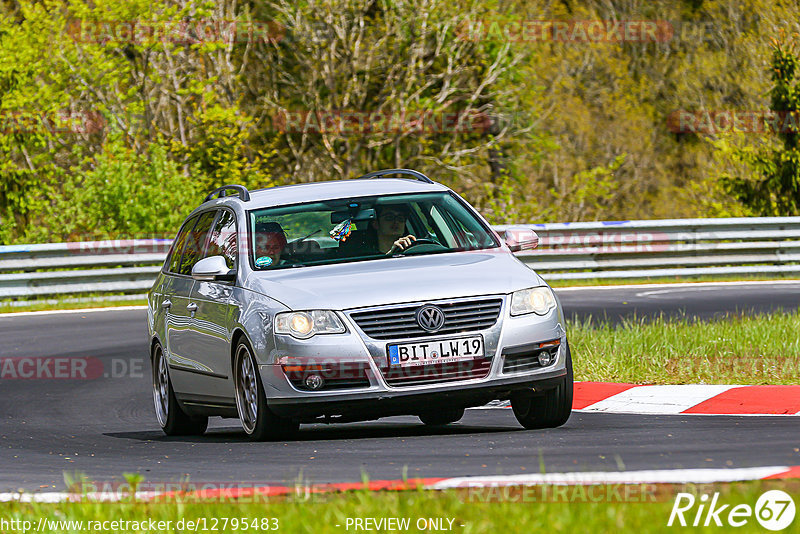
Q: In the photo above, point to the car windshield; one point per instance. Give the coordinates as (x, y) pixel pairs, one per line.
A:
(363, 229)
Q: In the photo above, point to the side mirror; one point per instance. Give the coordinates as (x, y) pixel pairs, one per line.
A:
(213, 269)
(521, 238)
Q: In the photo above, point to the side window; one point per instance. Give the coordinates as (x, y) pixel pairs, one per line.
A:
(196, 242)
(223, 238)
(174, 260)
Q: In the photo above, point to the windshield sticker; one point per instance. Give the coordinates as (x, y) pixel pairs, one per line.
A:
(342, 230)
(263, 261)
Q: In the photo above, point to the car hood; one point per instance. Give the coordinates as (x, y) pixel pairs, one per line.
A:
(395, 280)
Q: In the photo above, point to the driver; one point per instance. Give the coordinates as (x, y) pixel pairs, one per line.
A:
(390, 225)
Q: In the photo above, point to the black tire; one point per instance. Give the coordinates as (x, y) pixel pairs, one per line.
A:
(258, 421)
(172, 419)
(549, 409)
(442, 417)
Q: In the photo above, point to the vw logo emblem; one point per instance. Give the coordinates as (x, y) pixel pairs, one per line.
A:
(430, 318)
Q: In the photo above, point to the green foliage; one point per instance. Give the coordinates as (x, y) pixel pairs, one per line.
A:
(403, 73)
(124, 193)
(223, 152)
(773, 186)
(553, 131)
(588, 194)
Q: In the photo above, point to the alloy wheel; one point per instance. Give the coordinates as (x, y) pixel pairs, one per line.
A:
(246, 389)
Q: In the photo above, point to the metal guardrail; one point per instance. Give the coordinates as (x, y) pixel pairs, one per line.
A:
(121, 266)
(567, 251)
(666, 248)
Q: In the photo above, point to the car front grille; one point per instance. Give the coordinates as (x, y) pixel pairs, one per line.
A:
(400, 322)
(436, 373)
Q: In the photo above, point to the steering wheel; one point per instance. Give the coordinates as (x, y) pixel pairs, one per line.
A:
(421, 241)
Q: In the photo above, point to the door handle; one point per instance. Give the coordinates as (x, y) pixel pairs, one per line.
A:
(192, 307)
(167, 304)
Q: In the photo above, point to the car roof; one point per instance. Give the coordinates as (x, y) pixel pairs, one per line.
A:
(331, 190)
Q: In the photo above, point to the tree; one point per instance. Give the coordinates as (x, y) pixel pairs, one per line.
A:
(358, 85)
(773, 186)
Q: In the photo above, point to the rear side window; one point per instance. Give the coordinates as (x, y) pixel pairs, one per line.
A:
(196, 242)
(223, 238)
(174, 261)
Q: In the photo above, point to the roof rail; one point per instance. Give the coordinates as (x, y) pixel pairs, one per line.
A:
(244, 194)
(416, 174)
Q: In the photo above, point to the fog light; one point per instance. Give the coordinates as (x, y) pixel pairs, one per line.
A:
(314, 382)
(546, 358)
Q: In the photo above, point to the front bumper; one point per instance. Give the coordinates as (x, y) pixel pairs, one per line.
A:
(380, 398)
(359, 407)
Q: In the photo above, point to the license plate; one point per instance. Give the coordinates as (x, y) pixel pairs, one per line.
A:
(438, 351)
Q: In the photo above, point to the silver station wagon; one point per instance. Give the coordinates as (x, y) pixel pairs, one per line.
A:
(351, 300)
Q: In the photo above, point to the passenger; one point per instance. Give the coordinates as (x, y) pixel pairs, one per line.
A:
(270, 242)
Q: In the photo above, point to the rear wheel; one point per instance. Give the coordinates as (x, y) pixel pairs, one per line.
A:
(549, 409)
(258, 421)
(173, 420)
(442, 417)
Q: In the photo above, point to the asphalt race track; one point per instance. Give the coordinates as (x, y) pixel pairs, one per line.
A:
(105, 426)
(692, 301)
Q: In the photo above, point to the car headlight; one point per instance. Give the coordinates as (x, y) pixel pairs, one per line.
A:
(305, 324)
(538, 300)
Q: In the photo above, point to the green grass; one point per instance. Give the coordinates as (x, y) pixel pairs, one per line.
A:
(760, 349)
(575, 509)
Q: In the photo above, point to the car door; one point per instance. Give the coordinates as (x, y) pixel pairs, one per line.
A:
(181, 357)
(175, 298)
(209, 337)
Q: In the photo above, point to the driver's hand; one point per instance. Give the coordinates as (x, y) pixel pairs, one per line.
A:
(402, 244)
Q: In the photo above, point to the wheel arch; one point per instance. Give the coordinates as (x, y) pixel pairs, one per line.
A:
(153, 342)
(236, 337)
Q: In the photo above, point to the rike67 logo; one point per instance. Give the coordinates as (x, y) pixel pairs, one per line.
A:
(774, 510)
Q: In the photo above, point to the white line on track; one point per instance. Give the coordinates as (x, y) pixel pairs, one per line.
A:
(658, 476)
(630, 411)
(84, 310)
(680, 285)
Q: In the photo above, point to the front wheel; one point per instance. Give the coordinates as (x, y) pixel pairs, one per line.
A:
(549, 409)
(173, 420)
(258, 421)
